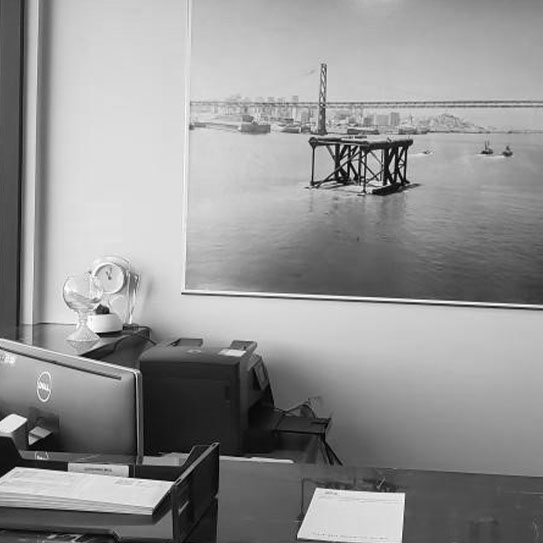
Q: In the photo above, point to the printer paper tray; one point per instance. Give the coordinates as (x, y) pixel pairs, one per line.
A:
(192, 495)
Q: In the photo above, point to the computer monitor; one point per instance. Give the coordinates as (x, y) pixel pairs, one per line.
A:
(78, 404)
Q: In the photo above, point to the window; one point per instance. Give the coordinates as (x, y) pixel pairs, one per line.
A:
(11, 70)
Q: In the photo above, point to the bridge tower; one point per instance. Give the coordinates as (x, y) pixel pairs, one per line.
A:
(321, 121)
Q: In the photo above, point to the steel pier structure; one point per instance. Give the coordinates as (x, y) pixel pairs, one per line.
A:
(358, 161)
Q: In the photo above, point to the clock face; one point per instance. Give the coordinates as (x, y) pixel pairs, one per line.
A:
(111, 275)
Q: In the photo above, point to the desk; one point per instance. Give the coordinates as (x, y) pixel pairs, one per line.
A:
(123, 348)
(265, 502)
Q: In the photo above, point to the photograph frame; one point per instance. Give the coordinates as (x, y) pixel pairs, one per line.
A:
(225, 290)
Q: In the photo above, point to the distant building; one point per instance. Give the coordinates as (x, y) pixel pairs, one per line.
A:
(394, 118)
(382, 119)
(359, 115)
(281, 111)
(341, 115)
(295, 110)
(369, 120)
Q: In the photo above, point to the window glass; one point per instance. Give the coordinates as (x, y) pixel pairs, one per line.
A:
(11, 59)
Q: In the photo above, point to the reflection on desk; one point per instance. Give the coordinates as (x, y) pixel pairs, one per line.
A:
(123, 348)
(267, 502)
(10, 536)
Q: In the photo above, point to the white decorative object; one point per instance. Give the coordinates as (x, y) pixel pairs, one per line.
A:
(106, 323)
(119, 284)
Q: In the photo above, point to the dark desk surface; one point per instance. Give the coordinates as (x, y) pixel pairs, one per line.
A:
(265, 502)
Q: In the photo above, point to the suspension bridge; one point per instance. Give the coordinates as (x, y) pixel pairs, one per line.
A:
(270, 105)
(371, 104)
(355, 160)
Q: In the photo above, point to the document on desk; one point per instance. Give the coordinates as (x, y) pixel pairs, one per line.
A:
(50, 489)
(352, 516)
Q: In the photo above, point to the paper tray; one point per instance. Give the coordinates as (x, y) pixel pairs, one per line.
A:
(194, 492)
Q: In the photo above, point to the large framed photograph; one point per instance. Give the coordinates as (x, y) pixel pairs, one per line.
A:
(366, 150)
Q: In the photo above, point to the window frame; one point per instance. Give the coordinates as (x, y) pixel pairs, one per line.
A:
(11, 144)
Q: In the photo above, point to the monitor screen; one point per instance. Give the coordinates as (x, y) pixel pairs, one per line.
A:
(75, 404)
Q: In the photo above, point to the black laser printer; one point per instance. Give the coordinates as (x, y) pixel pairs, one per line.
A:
(196, 394)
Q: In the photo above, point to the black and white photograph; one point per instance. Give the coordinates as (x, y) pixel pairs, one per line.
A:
(271, 271)
(364, 149)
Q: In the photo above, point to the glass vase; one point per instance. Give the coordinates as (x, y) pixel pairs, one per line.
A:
(82, 294)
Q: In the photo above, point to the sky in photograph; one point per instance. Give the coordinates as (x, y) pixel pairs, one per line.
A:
(374, 49)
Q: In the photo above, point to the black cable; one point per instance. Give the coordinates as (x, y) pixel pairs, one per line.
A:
(333, 458)
(152, 341)
(129, 335)
(328, 460)
(306, 404)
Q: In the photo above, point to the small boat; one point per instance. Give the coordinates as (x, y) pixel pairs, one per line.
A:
(487, 149)
(292, 128)
(507, 151)
(426, 152)
(249, 125)
(254, 127)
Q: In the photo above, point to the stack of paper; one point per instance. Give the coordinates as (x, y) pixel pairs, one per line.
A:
(49, 489)
(352, 516)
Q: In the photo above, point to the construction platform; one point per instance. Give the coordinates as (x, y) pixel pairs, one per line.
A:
(381, 164)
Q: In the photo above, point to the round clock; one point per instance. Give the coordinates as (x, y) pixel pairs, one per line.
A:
(112, 272)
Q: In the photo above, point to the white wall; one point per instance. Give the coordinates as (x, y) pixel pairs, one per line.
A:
(417, 386)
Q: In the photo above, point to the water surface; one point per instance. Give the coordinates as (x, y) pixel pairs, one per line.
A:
(471, 231)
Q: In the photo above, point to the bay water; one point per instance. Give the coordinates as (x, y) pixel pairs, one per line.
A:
(469, 230)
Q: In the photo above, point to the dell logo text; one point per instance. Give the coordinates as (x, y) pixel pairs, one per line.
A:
(44, 386)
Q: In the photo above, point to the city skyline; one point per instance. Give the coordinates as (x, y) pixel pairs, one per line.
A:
(374, 50)
(283, 108)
